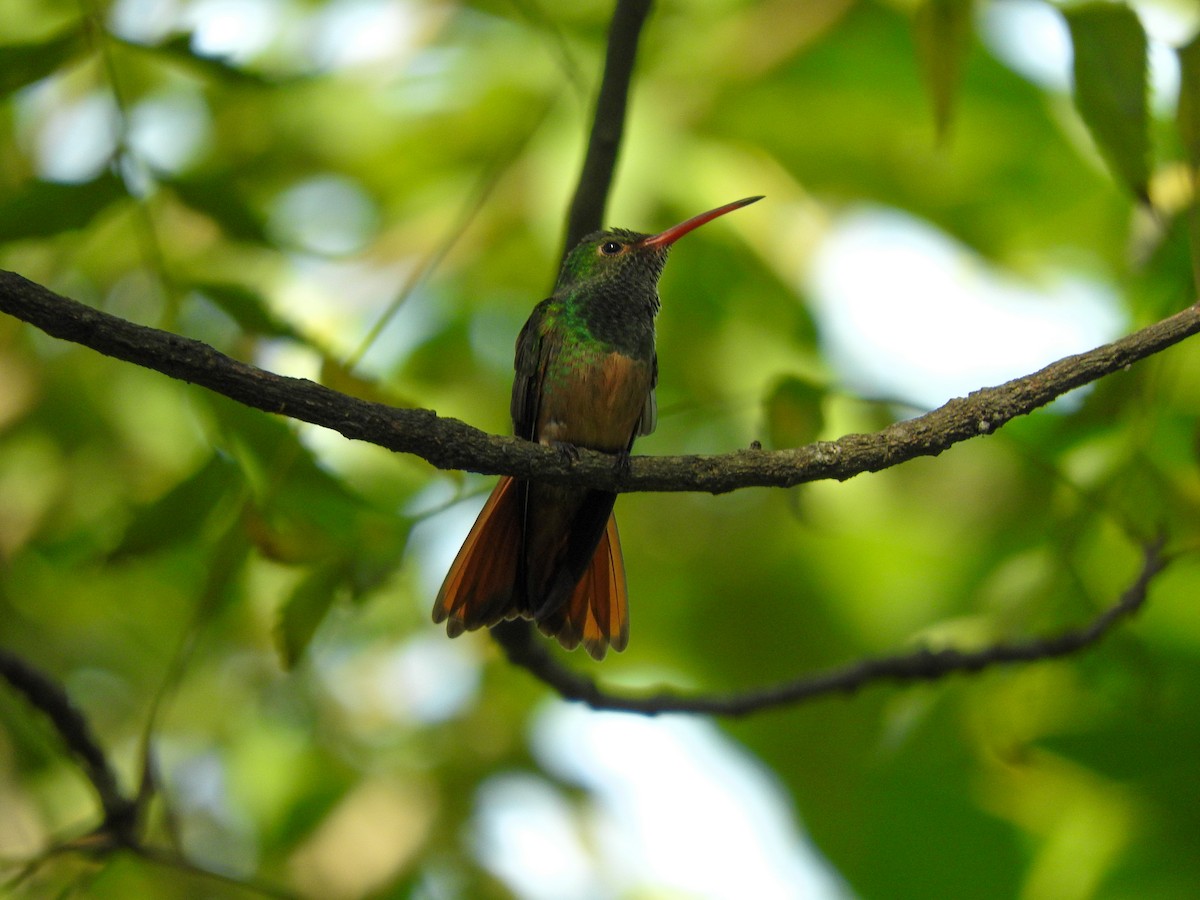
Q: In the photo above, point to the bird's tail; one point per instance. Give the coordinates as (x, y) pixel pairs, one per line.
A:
(597, 612)
(482, 586)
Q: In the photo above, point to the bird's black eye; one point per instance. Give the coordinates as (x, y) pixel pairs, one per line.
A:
(611, 248)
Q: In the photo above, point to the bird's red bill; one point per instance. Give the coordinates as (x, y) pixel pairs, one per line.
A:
(675, 232)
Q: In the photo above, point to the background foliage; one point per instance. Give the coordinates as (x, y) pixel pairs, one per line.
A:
(371, 194)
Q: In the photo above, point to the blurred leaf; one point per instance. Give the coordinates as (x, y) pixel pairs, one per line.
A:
(220, 585)
(181, 513)
(864, 86)
(1188, 119)
(249, 310)
(1189, 99)
(301, 512)
(44, 208)
(215, 194)
(943, 31)
(304, 611)
(22, 64)
(178, 50)
(338, 377)
(794, 413)
(1150, 752)
(383, 540)
(286, 539)
(1111, 87)
(360, 570)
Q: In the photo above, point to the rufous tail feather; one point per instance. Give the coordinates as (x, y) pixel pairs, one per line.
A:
(597, 612)
(479, 588)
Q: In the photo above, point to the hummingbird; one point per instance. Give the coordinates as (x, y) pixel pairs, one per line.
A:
(586, 372)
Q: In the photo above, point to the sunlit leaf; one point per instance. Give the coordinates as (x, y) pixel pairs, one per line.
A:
(22, 64)
(338, 377)
(1189, 99)
(943, 31)
(248, 309)
(1111, 86)
(177, 50)
(1188, 118)
(215, 194)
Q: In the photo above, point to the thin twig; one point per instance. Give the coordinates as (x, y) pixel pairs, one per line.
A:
(489, 178)
(522, 648)
(608, 121)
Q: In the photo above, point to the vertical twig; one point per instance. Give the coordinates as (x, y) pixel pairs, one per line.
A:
(608, 121)
(595, 178)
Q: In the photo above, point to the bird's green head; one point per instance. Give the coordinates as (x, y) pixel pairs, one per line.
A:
(628, 261)
(617, 257)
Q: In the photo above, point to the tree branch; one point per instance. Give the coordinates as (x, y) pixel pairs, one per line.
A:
(121, 814)
(523, 649)
(451, 444)
(44, 693)
(608, 121)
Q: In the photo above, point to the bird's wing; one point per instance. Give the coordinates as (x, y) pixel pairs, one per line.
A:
(534, 348)
(649, 418)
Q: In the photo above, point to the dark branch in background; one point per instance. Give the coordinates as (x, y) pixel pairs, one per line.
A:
(451, 444)
(523, 648)
(120, 813)
(608, 121)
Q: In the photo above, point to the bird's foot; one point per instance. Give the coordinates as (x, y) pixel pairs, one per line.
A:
(568, 451)
(621, 464)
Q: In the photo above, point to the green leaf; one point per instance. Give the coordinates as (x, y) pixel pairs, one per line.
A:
(794, 414)
(335, 375)
(178, 50)
(214, 193)
(221, 586)
(248, 309)
(181, 513)
(303, 513)
(1188, 119)
(377, 554)
(943, 34)
(22, 64)
(1188, 113)
(44, 208)
(1111, 87)
(304, 611)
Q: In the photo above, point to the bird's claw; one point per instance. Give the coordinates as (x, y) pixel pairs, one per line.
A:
(568, 451)
(622, 464)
